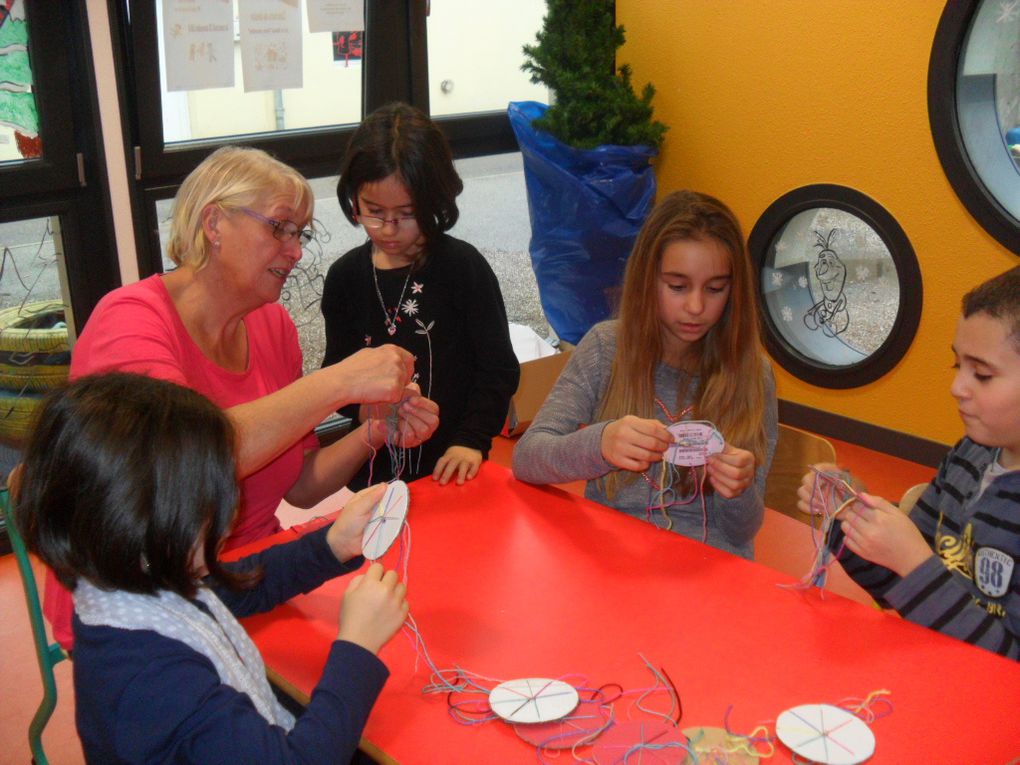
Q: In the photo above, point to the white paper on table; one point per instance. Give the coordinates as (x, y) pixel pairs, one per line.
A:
(198, 44)
(270, 44)
(336, 15)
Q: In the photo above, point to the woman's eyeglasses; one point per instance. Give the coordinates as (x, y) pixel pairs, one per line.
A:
(374, 222)
(283, 230)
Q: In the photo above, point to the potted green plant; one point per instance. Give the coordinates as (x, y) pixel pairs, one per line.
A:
(587, 162)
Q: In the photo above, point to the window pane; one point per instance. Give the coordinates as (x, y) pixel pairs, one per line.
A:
(19, 120)
(988, 100)
(35, 322)
(330, 95)
(493, 217)
(830, 286)
(475, 54)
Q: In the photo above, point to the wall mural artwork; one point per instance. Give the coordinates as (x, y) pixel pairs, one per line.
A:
(17, 101)
(829, 314)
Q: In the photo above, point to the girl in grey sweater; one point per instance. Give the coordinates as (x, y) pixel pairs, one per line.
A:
(686, 346)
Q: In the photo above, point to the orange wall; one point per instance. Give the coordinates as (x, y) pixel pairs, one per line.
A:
(764, 97)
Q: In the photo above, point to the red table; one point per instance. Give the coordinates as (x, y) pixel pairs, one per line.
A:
(510, 580)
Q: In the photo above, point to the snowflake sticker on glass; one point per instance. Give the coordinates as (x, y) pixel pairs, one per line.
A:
(693, 442)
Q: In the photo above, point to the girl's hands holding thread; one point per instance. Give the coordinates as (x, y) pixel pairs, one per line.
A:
(406, 424)
(344, 536)
(730, 471)
(633, 443)
(810, 498)
(374, 375)
(877, 531)
(374, 607)
(460, 461)
(417, 418)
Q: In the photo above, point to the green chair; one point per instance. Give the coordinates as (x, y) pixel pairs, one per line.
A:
(48, 654)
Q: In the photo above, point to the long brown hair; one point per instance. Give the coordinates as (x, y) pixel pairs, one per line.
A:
(727, 360)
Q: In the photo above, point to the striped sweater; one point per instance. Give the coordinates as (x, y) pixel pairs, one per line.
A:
(970, 588)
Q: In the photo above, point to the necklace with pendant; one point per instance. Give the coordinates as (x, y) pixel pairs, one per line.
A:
(390, 319)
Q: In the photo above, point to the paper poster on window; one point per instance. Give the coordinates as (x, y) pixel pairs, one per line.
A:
(18, 114)
(270, 44)
(198, 44)
(334, 15)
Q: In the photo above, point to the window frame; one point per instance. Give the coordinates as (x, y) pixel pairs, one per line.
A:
(944, 119)
(69, 180)
(892, 350)
(394, 67)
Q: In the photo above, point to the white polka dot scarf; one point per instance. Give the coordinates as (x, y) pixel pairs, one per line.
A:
(219, 638)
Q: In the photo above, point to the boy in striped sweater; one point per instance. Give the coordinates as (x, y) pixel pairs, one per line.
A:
(951, 563)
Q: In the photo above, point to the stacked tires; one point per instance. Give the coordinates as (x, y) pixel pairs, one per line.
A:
(35, 356)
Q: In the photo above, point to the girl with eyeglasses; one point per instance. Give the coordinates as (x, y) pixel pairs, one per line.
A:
(214, 325)
(685, 347)
(415, 285)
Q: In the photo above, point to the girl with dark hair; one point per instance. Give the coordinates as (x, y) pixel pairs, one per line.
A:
(127, 492)
(413, 285)
(686, 345)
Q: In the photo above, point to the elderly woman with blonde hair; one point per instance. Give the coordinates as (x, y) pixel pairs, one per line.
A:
(240, 220)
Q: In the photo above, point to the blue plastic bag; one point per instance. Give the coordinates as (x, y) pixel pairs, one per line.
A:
(586, 208)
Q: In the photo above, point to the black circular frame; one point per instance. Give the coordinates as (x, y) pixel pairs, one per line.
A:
(944, 117)
(763, 237)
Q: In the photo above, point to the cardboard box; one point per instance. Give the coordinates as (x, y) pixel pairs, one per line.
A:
(537, 378)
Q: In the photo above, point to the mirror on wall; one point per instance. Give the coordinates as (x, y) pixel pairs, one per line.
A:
(840, 287)
(974, 110)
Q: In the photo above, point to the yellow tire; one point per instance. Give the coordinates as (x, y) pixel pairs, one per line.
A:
(17, 414)
(34, 350)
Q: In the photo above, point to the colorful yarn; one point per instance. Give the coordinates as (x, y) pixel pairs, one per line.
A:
(400, 456)
(872, 707)
(670, 477)
(665, 494)
(685, 412)
(831, 493)
(757, 743)
(675, 708)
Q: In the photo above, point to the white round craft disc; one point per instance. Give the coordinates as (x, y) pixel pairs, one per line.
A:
(824, 733)
(386, 521)
(693, 441)
(533, 700)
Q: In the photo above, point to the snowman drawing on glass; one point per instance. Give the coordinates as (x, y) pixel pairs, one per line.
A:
(830, 313)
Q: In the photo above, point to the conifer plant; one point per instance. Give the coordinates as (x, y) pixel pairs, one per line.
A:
(594, 102)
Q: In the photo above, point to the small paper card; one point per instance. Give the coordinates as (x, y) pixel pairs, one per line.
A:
(693, 441)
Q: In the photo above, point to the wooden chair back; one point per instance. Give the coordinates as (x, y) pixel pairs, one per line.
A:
(910, 497)
(795, 450)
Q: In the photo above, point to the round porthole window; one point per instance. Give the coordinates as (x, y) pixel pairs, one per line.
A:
(974, 110)
(840, 286)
